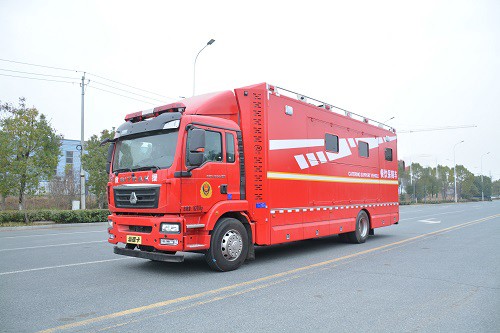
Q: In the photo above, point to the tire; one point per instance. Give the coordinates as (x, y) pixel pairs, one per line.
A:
(228, 245)
(360, 235)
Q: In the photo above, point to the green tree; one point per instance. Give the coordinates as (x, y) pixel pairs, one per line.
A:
(495, 188)
(444, 179)
(6, 182)
(466, 187)
(31, 149)
(483, 186)
(94, 162)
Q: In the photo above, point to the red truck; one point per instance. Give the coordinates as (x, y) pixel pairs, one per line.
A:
(220, 173)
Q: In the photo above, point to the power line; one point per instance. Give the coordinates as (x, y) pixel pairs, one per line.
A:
(113, 87)
(436, 128)
(120, 95)
(31, 73)
(52, 80)
(126, 85)
(36, 78)
(73, 70)
(29, 64)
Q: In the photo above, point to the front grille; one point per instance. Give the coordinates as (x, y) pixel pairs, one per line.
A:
(140, 228)
(136, 196)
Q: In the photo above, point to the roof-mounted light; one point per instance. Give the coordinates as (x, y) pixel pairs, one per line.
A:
(173, 107)
(142, 115)
(134, 116)
(139, 116)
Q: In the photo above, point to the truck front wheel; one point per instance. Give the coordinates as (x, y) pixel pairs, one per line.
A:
(228, 245)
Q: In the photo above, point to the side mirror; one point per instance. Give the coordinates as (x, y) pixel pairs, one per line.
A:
(196, 147)
(110, 156)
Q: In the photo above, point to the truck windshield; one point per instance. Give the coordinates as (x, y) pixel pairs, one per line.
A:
(145, 152)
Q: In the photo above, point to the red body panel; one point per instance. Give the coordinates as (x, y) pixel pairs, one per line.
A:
(282, 182)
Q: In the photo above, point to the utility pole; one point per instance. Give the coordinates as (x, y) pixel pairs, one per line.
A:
(82, 141)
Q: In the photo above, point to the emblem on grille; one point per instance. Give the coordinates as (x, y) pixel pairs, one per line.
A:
(133, 198)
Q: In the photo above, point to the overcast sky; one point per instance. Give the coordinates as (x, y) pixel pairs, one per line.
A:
(426, 63)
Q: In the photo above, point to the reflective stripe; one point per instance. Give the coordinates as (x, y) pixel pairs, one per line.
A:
(333, 179)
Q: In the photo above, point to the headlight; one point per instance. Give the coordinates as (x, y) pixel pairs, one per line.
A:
(110, 224)
(170, 228)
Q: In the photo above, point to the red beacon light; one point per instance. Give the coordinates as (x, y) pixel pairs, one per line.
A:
(134, 116)
(142, 115)
(172, 107)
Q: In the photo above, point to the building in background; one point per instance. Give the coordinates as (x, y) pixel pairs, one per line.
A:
(70, 156)
(70, 160)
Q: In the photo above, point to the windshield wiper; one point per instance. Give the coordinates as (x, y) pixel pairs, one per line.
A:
(148, 167)
(123, 169)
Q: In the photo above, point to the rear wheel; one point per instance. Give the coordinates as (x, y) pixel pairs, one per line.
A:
(362, 229)
(228, 245)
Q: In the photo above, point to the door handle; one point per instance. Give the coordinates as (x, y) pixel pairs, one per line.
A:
(223, 189)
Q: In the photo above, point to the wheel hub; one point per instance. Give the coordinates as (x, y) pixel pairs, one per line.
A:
(363, 226)
(231, 245)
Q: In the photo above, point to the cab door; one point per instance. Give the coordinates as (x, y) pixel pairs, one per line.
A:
(208, 182)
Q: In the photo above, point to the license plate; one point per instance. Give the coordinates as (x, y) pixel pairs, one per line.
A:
(134, 239)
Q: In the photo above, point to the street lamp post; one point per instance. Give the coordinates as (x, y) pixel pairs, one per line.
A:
(386, 121)
(455, 168)
(210, 42)
(482, 184)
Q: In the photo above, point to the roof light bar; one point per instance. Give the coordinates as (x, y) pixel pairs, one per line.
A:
(141, 115)
(172, 107)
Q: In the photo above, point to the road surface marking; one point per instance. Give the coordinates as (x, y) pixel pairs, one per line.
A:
(431, 215)
(430, 221)
(63, 233)
(69, 265)
(255, 281)
(54, 245)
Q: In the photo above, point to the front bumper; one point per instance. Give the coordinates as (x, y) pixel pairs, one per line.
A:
(156, 256)
(149, 226)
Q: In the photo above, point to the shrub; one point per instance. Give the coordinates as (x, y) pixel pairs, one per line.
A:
(58, 216)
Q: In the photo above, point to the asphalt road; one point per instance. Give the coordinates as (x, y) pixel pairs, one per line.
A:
(437, 271)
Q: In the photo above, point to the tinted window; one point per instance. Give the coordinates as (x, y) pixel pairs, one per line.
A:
(363, 149)
(213, 146)
(388, 154)
(332, 143)
(229, 148)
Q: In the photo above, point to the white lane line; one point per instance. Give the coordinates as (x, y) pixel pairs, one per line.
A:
(430, 221)
(431, 215)
(60, 266)
(63, 233)
(42, 246)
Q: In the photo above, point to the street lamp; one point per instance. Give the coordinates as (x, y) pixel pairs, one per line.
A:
(389, 119)
(482, 184)
(210, 42)
(455, 168)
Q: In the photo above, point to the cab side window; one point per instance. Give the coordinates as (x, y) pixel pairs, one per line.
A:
(229, 148)
(213, 146)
